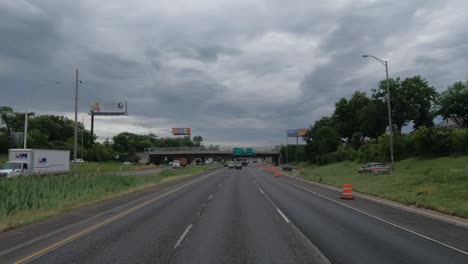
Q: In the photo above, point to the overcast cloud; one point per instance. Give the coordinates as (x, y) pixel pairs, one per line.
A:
(234, 71)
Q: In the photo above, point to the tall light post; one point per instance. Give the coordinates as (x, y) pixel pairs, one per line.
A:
(390, 126)
(25, 136)
(75, 141)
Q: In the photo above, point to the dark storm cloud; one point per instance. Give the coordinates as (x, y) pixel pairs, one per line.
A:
(234, 71)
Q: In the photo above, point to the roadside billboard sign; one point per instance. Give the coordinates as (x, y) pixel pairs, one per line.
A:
(297, 132)
(177, 131)
(109, 108)
(302, 132)
(292, 133)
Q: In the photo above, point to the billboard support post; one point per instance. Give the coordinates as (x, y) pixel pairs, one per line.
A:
(92, 128)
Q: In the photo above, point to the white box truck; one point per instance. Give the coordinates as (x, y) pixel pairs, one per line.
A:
(35, 161)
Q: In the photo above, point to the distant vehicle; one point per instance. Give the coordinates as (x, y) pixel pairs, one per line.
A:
(35, 161)
(182, 161)
(374, 167)
(175, 164)
(238, 166)
(78, 161)
(231, 166)
(244, 163)
(127, 163)
(287, 168)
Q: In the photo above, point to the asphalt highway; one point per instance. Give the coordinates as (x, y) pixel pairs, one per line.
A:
(249, 216)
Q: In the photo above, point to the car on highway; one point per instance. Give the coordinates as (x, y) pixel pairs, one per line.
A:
(287, 167)
(374, 167)
(175, 164)
(238, 166)
(244, 163)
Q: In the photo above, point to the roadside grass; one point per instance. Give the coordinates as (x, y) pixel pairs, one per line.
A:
(25, 200)
(3, 158)
(107, 166)
(439, 184)
(189, 170)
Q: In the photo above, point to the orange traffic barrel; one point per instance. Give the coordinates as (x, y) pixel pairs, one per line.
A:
(347, 191)
(277, 173)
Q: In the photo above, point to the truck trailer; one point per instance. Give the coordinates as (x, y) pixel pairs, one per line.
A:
(35, 161)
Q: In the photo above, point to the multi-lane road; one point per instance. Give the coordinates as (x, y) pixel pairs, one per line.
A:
(238, 216)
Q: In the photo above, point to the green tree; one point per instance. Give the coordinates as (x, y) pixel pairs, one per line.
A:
(345, 115)
(197, 140)
(411, 100)
(421, 98)
(7, 117)
(372, 119)
(454, 102)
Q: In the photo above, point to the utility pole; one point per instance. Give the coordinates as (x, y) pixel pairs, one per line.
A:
(389, 117)
(75, 144)
(25, 136)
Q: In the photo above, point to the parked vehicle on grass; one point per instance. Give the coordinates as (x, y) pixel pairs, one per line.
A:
(175, 164)
(374, 167)
(287, 168)
(127, 163)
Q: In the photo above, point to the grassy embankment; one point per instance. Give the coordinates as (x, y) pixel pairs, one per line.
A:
(440, 184)
(24, 200)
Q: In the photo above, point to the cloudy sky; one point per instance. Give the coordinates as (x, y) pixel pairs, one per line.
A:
(236, 72)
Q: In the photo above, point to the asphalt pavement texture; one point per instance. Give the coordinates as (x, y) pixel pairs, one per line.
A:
(250, 216)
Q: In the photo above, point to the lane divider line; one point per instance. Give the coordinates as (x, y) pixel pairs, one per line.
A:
(314, 248)
(383, 220)
(211, 196)
(254, 182)
(103, 223)
(261, 190)
(183, 236)
(284, 217)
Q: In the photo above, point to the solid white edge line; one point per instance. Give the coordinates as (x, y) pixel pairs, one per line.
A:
(254, 182)
(281, 213)
(261, 190)
(211, 196)
(183, 236)
(383, 220)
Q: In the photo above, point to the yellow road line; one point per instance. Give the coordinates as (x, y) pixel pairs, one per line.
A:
(44, 250)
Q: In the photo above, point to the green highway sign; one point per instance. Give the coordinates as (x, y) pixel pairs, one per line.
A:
(242, 151)
(238, 151)
(248, 152)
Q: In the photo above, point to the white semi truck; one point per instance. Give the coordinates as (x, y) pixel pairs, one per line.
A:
(35, 161)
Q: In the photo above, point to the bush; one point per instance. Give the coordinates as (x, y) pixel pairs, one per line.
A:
(459, 141)
(432, 142)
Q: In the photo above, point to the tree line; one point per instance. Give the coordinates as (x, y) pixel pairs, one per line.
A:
(358, 128)
(57, 132)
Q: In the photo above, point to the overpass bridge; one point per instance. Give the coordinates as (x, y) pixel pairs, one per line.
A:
(164, 155)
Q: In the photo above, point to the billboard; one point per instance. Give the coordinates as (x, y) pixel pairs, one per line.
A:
(297, 132)
(109, 108)
(180, 131)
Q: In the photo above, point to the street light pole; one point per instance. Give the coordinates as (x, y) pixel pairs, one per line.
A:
(389, 109)
(25, 136)
(75, 143)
